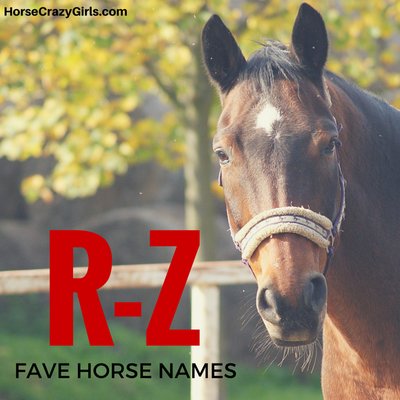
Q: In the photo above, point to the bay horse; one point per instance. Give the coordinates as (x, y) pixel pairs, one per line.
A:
(286, 122)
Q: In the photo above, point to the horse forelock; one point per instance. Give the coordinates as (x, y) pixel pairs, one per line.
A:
(273, 61)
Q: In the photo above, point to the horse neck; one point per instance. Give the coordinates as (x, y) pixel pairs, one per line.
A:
(365, 277)
(370, 156)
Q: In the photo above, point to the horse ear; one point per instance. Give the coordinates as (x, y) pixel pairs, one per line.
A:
(310, 40)
(221, 54)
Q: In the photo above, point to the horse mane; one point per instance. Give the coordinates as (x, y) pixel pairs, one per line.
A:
(380, 116)
(273, 61)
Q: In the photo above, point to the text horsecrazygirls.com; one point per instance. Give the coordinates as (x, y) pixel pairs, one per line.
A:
(64, 12)
(119, 370)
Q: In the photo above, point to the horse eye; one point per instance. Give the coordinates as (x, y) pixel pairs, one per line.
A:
(334, 143)
(222, 156)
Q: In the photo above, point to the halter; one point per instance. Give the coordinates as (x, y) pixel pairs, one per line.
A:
(297, 220)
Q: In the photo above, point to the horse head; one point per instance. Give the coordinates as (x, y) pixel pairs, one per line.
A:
(277, 146)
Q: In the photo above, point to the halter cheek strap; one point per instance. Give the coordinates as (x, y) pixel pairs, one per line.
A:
(297, 220)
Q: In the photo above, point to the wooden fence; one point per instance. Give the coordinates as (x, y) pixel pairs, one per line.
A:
(204, 279)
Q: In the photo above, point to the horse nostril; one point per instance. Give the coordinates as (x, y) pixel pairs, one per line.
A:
(315, 293)
(267, 305)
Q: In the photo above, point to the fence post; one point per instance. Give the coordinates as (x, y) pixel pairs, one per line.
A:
(205, 310)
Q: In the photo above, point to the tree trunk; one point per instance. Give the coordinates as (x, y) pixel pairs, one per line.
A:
(200, 214)
(199, 208)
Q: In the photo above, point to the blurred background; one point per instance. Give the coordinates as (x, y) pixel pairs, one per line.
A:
(105, 125)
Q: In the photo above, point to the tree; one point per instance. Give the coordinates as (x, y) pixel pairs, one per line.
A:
(71, 87)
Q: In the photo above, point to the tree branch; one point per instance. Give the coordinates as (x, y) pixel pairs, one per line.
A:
(167, 89)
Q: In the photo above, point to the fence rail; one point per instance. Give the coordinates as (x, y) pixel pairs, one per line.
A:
(208, 273)
(204, 279)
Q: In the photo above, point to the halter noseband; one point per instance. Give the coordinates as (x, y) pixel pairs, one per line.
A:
(298, 220)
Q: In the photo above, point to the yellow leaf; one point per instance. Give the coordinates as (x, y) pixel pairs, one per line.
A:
(120, 121)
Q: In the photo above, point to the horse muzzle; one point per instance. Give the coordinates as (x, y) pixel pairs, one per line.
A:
(294, 325)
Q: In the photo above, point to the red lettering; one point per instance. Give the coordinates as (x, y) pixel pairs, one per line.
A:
(63, 285)
(158, 333)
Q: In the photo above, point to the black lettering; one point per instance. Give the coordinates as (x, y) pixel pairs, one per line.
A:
(216, 370)
(34, 371)
(98, 373)
(19, 369)
(8, 11)
(169, 372)
(131, 367)
(182, 370)
(196, 371)
(145, 370)
(49, 371)
(87, 371)
(63, 370)
(230, 370)
(117, 369)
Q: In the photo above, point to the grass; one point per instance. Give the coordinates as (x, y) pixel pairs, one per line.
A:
(24, 338)
(274, 383)
(130, 348)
